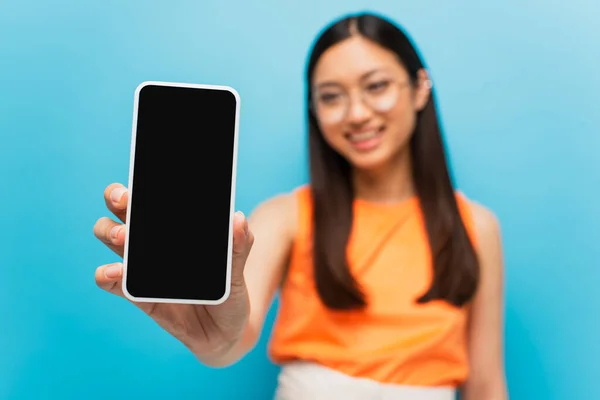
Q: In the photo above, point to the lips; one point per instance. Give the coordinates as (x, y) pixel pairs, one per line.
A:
(364, 134)
(365, 139)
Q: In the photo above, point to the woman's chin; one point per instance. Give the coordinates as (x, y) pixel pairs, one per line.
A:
(374, 161)
(369, 162)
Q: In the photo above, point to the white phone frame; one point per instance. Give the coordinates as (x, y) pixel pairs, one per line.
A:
(131, 183)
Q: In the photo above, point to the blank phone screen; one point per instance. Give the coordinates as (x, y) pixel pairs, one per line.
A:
(182, 180)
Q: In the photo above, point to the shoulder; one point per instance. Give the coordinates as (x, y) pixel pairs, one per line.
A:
(281, 206)
(280, 211)
(488, 233)
(480, 220)
(486, 224)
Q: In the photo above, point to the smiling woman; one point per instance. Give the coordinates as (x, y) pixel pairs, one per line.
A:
(390, 280)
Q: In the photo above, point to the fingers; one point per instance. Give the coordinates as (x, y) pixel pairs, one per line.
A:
(242, 237)
(116, 197)
(111, 233)
(108, 277)
(242, 244)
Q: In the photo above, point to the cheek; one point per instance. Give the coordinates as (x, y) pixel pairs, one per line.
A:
(333, 135)
(401, 123)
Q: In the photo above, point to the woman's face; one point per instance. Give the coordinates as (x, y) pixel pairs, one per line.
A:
(365, 103)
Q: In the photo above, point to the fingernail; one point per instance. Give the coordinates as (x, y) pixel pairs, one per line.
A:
(114, 232)
(245, 225)
(113, 271)
(116, 194)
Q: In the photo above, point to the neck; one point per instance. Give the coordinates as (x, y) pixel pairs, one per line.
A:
(390, 183)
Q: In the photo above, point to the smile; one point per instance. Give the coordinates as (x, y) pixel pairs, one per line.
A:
(365, 139)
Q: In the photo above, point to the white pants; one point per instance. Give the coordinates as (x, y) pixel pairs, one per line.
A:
(309, 381)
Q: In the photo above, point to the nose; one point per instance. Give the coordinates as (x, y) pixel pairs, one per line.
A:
(358, 111)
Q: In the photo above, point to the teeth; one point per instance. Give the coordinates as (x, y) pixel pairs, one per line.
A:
(357, 137)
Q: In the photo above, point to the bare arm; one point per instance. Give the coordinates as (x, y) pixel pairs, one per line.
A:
(273, 224)
(486, 324)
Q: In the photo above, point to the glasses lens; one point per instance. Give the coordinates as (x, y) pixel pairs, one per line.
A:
(381, 95)
(330, 104)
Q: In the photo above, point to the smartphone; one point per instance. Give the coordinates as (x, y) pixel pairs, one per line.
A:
(178, 246)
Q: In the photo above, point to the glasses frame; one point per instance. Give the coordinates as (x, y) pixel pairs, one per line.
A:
(402, 84)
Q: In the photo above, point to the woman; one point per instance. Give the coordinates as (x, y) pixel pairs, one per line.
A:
(390, 280)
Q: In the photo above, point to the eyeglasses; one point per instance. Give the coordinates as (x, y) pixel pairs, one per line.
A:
(331, 104)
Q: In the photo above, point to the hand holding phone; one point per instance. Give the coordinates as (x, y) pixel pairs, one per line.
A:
(211, 332)
(183, 248)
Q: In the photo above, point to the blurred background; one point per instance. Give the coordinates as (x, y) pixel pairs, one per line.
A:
(519, 92)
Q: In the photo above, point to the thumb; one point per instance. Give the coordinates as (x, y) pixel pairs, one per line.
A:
(242, 243)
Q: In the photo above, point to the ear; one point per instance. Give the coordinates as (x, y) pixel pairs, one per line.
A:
(422, 90)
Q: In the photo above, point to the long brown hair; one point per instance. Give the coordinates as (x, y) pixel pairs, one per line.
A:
(455, 264)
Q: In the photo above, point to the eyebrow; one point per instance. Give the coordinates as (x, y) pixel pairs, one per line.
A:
(362, 77)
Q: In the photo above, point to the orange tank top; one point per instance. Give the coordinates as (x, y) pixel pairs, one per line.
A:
(393, 340)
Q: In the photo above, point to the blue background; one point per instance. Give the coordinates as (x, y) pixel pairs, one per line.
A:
(518, 87)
